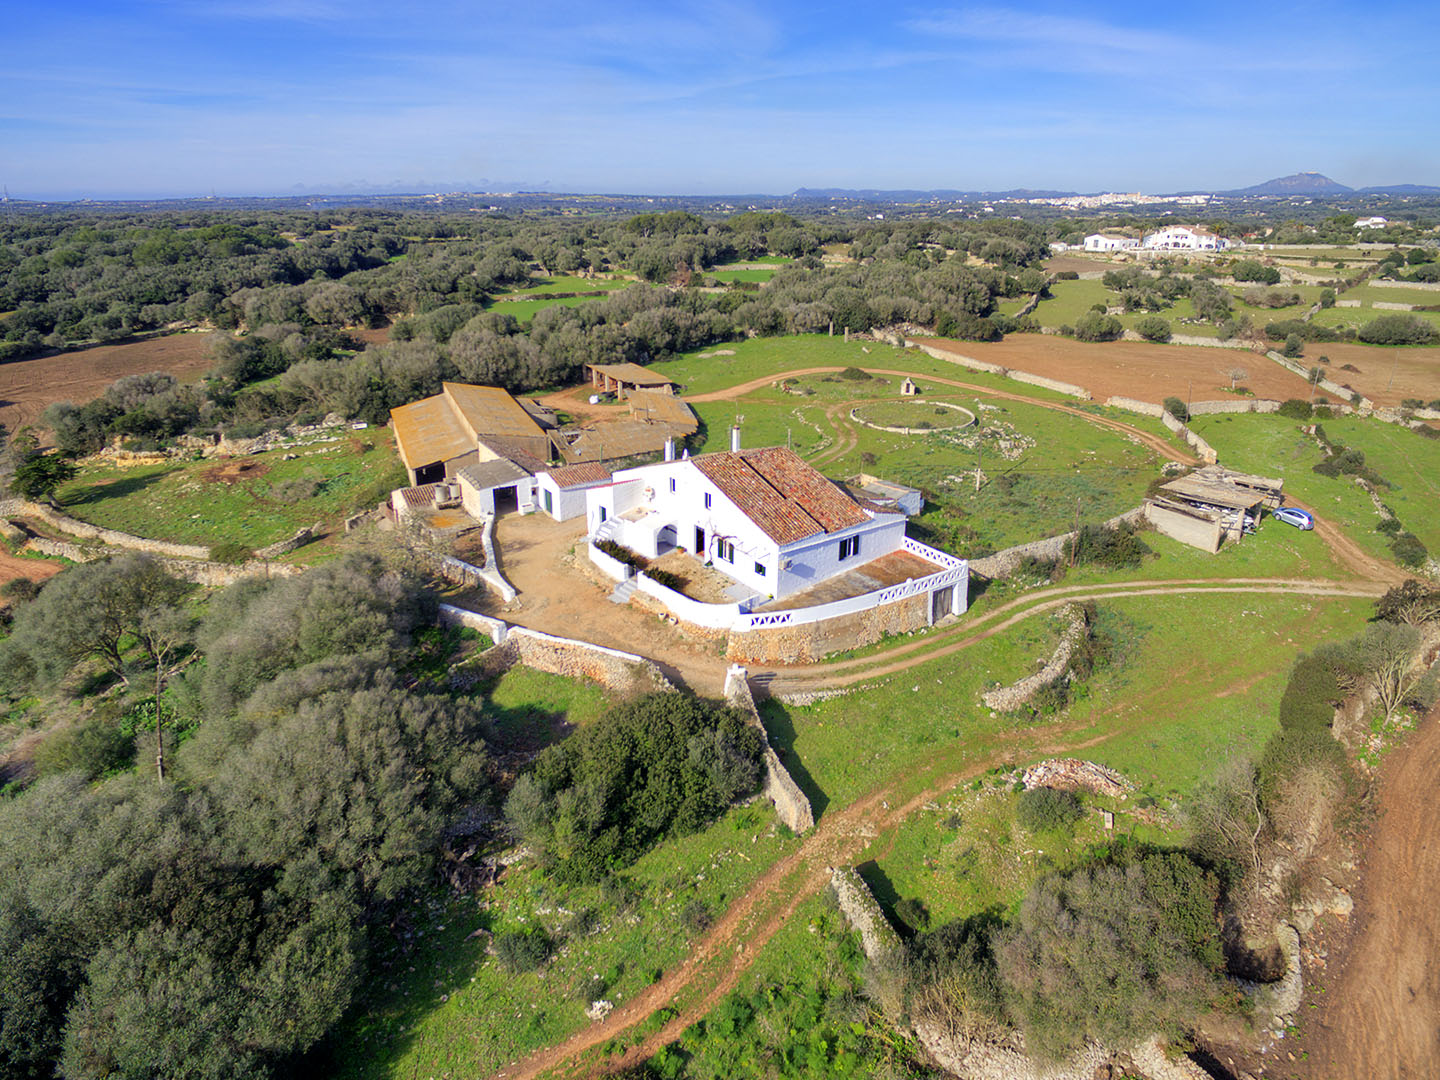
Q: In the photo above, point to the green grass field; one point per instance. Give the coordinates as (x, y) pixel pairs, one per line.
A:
(1410, 463)
(1358, 317)
(444, 1007)
(727, 276)
(1274, 446)
(185, 502)
(522, 311)
(543, 286)
(702, 372)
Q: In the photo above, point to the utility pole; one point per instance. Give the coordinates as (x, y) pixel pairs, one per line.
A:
(979, 454)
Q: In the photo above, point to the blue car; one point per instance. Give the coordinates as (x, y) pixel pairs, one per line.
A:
(1293, 515)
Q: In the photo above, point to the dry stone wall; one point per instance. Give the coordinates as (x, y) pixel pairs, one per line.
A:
(620, 672)
(791, 805)
(1012, 697)
(202, 572)
(863, 913)
(1243, 405)
(1200, 446)
(807, 642)
(66, 524)
(1004, 563)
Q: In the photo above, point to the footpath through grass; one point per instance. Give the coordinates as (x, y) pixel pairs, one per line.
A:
(254, 500)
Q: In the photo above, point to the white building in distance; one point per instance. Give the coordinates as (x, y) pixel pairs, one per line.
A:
(1108, 242)
(1185, 238)
(1371, 222)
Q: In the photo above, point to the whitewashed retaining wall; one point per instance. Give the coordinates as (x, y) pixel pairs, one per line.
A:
(710, 616)
(611, 567)
(495, 629)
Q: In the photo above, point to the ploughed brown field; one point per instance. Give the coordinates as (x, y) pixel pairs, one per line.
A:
(1134, 369)
(28, 386)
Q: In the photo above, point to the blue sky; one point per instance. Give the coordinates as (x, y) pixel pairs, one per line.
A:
(182, 97)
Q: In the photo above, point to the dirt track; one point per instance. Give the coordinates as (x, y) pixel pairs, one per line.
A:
(1380, 1018)
(28, 386)
(722, 957)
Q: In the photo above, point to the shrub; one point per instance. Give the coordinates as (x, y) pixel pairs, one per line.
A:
(1176, 408)
(662, 765)
(1311, 695)
(623, 554)
(94, 747)
(297, 489)
(1251, 270)
(1296, 409)
(1294, 345)
(20, 590)
(666, 578)
(231, 552)
(1096, 326)
(913, 914)
(696, 916)
(1397, 330)
(1067, 275)
(1117, 547)
(1140, 953)
(1153, 328)
(1043, 809)
(855, 374)
(522, 950)
(1409, 550)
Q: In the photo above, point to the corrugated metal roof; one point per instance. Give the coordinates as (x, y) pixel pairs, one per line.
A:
(581, 475)
(484, 475)
(631, 373)
(447, 425)
(1213, 494)
(786, 498)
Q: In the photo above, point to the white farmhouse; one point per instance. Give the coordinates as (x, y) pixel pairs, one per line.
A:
(1371, 222)
(1107, 242)
(762, 517)
(1185, 238)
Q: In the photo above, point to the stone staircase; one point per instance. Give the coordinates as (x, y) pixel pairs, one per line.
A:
(623, 592)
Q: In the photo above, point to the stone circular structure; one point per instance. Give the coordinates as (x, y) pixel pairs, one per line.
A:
(855, 416)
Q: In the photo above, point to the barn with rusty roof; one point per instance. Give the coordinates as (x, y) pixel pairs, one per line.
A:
(464, 424)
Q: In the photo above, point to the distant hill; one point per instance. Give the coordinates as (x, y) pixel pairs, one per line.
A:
(1401, 189)
(1305, 183)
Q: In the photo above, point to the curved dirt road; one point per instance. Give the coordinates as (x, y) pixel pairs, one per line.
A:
(1380, 1018)
(840, 836)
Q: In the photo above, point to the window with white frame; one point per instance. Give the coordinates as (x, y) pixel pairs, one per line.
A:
(672, 485)
(849, 547)
(707, 500)
(759, 569)
(726, 550)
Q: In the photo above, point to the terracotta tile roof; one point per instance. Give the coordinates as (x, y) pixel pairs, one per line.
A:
(786, 498)
(588, 472)
(632, 373)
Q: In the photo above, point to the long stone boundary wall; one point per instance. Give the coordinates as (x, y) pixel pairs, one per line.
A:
(791, 805)
(1004, 563)
(623, 673)
(66, 524)
(210, 574)
(1327, 385)
(1007, 698)
(1200, 446)
(1068, 389)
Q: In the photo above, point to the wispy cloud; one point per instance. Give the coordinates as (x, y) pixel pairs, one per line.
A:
(1042, 31)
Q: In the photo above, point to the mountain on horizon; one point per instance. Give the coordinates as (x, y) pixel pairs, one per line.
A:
(1302, 183)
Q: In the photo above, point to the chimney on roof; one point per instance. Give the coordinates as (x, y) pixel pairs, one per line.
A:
(735, 439)
(670, 449)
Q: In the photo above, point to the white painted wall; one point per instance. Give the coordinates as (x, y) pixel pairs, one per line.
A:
(812, 560)
(479, 504)
(567, 503)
